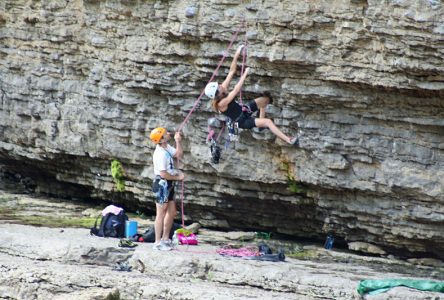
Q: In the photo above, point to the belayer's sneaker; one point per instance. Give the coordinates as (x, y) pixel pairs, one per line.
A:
(162, 246)
(122, 266)
(169, 243)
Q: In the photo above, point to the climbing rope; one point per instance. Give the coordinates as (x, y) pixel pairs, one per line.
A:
(196, 103)
(238, 252)
(181, 203)
(244, 60)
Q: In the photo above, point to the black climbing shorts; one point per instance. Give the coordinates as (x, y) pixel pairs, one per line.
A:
(246, 121)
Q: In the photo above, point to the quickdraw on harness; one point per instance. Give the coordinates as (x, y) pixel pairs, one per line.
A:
(215, 150)
(215, 124)
(233, 131)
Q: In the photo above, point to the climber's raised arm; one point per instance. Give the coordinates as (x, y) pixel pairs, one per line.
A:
(233, 68)
(223, 103)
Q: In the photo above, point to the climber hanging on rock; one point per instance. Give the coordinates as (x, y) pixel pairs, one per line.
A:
(223, 102)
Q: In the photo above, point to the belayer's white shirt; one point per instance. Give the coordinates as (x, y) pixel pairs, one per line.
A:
(163, 160)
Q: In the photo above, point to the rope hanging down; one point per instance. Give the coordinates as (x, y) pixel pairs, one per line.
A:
(187, 118)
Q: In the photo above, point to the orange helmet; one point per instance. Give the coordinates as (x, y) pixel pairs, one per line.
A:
(157, 134)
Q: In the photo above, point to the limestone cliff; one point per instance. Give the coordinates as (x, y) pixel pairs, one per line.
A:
(82, 82)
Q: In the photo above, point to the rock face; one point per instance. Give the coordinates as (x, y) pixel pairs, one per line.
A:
(82, 82)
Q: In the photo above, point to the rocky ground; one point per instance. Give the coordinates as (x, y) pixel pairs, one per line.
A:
(59, 261)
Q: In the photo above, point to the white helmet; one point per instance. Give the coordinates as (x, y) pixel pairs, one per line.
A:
(211, 89)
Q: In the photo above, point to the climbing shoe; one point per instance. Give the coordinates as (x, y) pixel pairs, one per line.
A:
(125, 243)
(294, 141)
(268, 95)
(122, 266)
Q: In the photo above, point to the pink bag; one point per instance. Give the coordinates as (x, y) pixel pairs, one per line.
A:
(187, 240)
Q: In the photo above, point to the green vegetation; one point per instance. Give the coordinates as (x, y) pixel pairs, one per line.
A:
(7, 198)
(86, 222)
(16, 211)
(262, 235)
(293, 185)
(304, 254)
(44, 220)
(5, 212)
(118, 175)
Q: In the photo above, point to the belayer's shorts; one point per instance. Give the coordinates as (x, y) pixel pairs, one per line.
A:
(163, 190)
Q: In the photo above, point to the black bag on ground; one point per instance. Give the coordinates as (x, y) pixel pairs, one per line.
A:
(264, 249)
(149, 236)
(111, 225)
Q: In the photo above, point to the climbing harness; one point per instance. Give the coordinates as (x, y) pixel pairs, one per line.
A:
(233, 126)
(233, 131)
(163, 187)
(160, 189)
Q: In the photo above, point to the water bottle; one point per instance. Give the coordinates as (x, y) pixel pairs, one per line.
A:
(329, 242)
(175, 240)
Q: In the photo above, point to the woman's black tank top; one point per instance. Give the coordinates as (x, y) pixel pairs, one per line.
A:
(233, 111)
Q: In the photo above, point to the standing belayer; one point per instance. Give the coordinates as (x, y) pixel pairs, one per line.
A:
(223, 102)
(166, 175)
